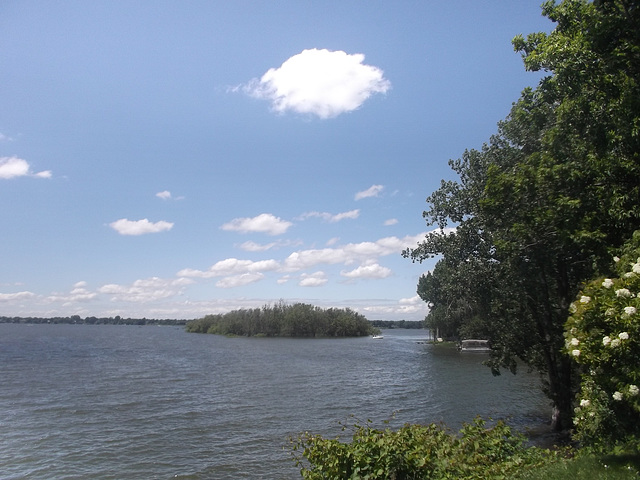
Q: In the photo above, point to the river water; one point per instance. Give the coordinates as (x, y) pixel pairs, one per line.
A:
(116, 402)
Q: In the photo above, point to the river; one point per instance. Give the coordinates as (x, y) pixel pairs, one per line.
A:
(147, 402)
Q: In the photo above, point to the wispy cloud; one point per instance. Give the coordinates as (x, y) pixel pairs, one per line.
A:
(250, 246)
(319, 82)
(372, 191)
(145, 290)
(316, 279)
(166, 195)
(331, 218)
(239, 280)
(231, 266)
(263, 223)
(368, 271)
(389, 222)
(139, 227)
(11, 167)
(10, 297)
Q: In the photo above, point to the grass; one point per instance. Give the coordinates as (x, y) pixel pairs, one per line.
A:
(589, 467)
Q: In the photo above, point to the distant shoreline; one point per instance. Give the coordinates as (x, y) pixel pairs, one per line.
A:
(77, 320)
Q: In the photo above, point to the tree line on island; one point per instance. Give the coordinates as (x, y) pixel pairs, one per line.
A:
(284, 320)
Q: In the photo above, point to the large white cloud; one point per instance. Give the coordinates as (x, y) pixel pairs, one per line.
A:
(11, 167)
(263, 223)
(139, 227)
(320, 82)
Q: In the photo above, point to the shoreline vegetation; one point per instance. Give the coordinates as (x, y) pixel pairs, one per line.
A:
(77, 320)
(299, 320)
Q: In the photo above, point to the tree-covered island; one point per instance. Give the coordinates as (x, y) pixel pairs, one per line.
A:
(283, 320)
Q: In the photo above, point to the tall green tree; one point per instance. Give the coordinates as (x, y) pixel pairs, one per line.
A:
(536, 212)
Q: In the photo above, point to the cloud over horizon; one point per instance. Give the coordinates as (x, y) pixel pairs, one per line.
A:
(321, 82)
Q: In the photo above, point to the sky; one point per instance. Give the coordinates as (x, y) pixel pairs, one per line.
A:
(173, 159)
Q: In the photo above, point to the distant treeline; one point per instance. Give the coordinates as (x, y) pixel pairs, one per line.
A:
(282, 320)
(397, 324)
(76, 319)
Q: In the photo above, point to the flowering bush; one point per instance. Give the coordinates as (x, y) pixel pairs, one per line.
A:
(603, 336)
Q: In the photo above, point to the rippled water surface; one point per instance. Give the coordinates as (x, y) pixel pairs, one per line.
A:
(115, 402)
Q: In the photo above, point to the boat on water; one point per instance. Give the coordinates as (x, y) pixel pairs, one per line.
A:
(474, 345)
(377, 337)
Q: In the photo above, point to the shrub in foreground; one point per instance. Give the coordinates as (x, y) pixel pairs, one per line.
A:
(418, 452)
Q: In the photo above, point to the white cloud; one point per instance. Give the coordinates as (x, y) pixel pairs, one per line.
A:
(77, 294)
(166, 195)
(368, 271)
(391, 221)
(239, 280)
(372, 191)
(139, 227)
(263, 223)
(231, 266)
(145, 290)
(11, 167)
(316, 279)
(319, 82)
(9, 297)
(363, 252)
(331, 218)
(250, 246)
(5, 138)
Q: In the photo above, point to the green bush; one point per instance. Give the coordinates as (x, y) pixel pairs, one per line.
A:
(603, 336)
(418, 452)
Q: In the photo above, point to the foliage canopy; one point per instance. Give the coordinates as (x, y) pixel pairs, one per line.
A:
(538, 210)
(283, 320)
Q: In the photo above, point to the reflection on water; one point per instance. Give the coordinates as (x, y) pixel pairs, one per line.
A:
(111, 402)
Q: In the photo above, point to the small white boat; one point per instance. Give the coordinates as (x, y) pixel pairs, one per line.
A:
(476, 346)
(377, 337)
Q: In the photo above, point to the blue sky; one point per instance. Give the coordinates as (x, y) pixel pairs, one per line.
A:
(168, 159)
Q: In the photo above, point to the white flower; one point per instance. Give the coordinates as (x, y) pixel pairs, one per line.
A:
(575, 353)
(573, 308)
(623, 336)
(629, 275)
(616, 259)
(584, 403)
(623, 292)
(630, 310)
(633, 390)
(575, 342)
(636, 268)
(606, 341)
(608, 283)
(615, 342)
(617, 396)
(585, 299)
